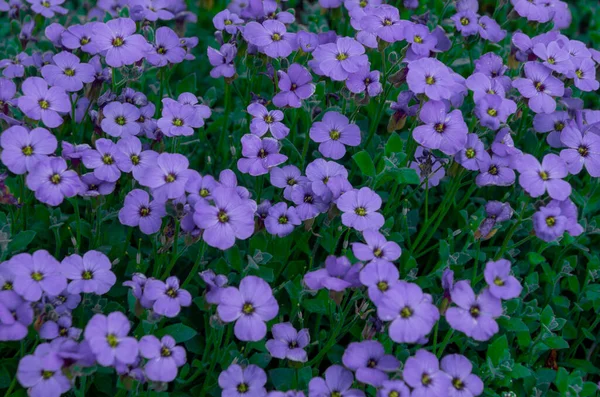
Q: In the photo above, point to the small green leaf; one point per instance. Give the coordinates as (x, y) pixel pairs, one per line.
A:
(21, 241)
(365, 163)
(282, 378)
(535, 258)
(179, 332)
(556, 342)
(498, 349)
(394, 144)
(406, 176)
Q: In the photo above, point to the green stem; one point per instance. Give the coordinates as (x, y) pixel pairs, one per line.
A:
(196, 265)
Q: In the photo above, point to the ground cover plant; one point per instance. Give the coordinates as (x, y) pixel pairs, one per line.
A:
(337, 198)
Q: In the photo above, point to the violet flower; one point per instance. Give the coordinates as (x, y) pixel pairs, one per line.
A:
(22, 150)
(264, 121)
(295, 85)
(539, 86)
(249, 381)
(463, 382)
(118, 40)
(167, 296)
(338, 380)
(90, 274)
(108, 340)
(260, 155)
(369, 361)
(332, 133)
(337, 275)
(164, 357)
(281, 220)
(444, 131)
(360, 208)
(42, 103)
(502, 285)
(67, 72)
(287, 343)
(422, 373)
(538, 178)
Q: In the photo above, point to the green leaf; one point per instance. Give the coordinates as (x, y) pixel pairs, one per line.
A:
(188, 84)
(498, 349)
(21, 241)
(282, 378)
(556, 342)
(304, 376)
(562, 380)
(260, 359)
(179, 332)
(365, 163)
(394, 144)
(406, 176)
(535, 258)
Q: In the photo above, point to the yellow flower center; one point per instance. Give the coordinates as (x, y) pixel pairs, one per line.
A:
(382, 286)
(544, 175)
(430, 80)
(55, 179)
(360, 211)
(120, 120)
(177, 122)
(583, 151)
(84, 41)
(470, 153)
(135, 159)
(418, 39)
(171, 292)
(341, 56)
(464, 21)
(498, 281)
(334, 135)
(118, 42)
(492, 112)
(165, 352)
(37, 276)
(248, 308)
(27, 150)
(579, 73)
(426, 379)
(406, 312)
(475, 311)
(69, 72)
(276, 37)
(222, 216)
(458, 384)
(87, 275)
(283, 220)
(44, 104)
(47, 374)
(144, 211)
(112, 340)
(550, 221)
(204, 192)
(242, 388)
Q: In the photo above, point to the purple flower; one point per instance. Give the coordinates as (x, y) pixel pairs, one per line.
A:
(61, 328)
(338, 60)
(482, 84)
(177, 119)
(167, 178)
(47, 8)
(384, 22)
(200, 187)
(264, 121)
(137, 285)
(215, 285)
(360, 208)
(584, 74)
(270, 37)
(422, 42)
(120, 119)
(422, 373)
(168, 298)
(15, 316)
(472, 154)
(538, 178)
(249, 381)
(338, 382)
(15, 67)
(260, 155)
(377, 248)
(495, 170)
(138, 210)
(286, 178)
(395, 388)
(568, 210)
(52, 182)
(504, 146)
(90, 274)
(200, 112)
(23, 150)
(108, 340)
(492, 110)
(64, 302)
(333, 132)
(380, 277)
(549, 223)
(475, 315)
(495, 212)
(103, 160)
(444, 131)
(288, 343)
(365, 80)
(166, 49)
(337, 275)
(80, 36)
(410, 310)
(502, 285)
(41, 373)
(430, 77)
(117, 39)
(35, 274)
(222, 61)
(532, 10)
(369, 361)
(428, 166)
(250, 306)
(42, 103)
(227, 21)
(164, 357)
(295, 85)
(131, 158)
(67, 72)
(539, 86)
(491, 65)
(152, 10)
(463, 382)
(554, 56)
(490, 30)
(231, 217)
(466, 22)
(308, 204)
(323, 176)
(281, 220)
(582, 150)
(8, 89)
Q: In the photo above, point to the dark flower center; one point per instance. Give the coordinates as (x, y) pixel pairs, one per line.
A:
(493, 170)
(44, 104)
(367, 81)
(418, 39)
(63, 331)
(144, 211)
(87, 275)
(283, 220)
(475, 311)
(341, 56)
(387, 22)
(262, 153)
(61, 298)
(269, 119)
(120, 120)
(372, 363)
(204, 192)
(8, 286)
(177, 122)
(539, 86)
(118, 42)
(276, 37)
(382, 286)
(583, 151)
(37, 276)
(544, 175)
(439, 127)
(378, 252)
(27, 150)
(135, 159)
(170, 178)
(84, 41)
(291, 181)
(112, 340)
(141, 119)
(482, 25)
(46, 4)
(499, 282)
(464, 21)
(107, 159)
(458, 384)
(360, 211)
(161, 50)
(171, 292)
(69, 72)
(242, 388)
(92, 187)
(308, 199)
(334, 135)
(406, 312)
(293, 344)
(426, 379)
(248, 308)
(222, 216)
(293, 87)
(492, 112)
(47, 374)
(550, 221)
(430, 80)
(470, 153)
(579, 73)
(165, 352)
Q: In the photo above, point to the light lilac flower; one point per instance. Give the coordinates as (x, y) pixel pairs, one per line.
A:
(482, 85)
(222, 61)
(337, 275)
(369, 361)
(584, 74)
(15, 67)
(466, 22)
(380, 277)
(201, 111)
(167, 296)
(90, 274)
(167, 178)
(582, 150)
(178, 119)
(337, 60)
(67, 72)
(138, 210)
(377, 248)
(288, 343)
(551, 221)
(137, 285)
(35, 274)
(502, 285)
(22, 150)
(61, 328)
(47, 8)
(295, 85)
(102, 160)
(260, 155)
(131, 158)
(52, 182)
(475, 315)
(490, 30)
(64, 302)
(15, 316)
(250, 306)
(470, 156)
(164, 357)
(120, 119)
(395, 388)
(423, 374)
(422, 42)
(42, 103)
(366, 81)
(41, 372)
(540, 87)
(308, 203)
(215, 285)
(249, 381)
(94, 187)
(307, 41)
(495, 170)
(430, 77)
(538, 178)
(493, 110)
(444, 131)
(492, 66)
(384, 21)
(338, 381)
(271, 37)
(166, 48)
(333, 132)
(360, 208)
(118, 39)
(281, 220)
(80, 36)
(323, 176)
(152, 10)
(227, 21)
(463, 382)
(554, 56)
(428, 167)
(108, 340)
(286, 178)
(264, 121)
